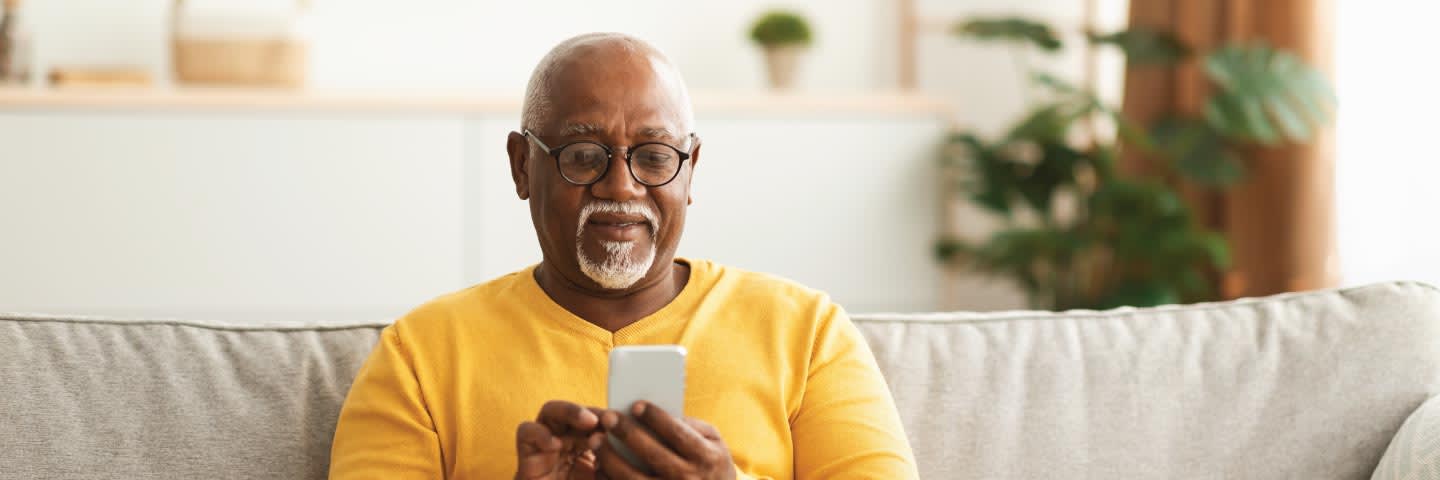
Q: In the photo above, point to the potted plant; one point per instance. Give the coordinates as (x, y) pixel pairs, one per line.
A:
(783, 35)
(1078, 233)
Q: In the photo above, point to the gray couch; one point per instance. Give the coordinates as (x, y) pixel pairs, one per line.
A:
(1310, 385)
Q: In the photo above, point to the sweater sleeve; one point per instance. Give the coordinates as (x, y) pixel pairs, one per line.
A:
(847, 426)
(385, 430)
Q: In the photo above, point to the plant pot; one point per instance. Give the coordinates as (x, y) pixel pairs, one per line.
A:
(781, 62)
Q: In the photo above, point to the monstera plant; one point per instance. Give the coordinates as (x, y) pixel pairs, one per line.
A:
(1078, 233)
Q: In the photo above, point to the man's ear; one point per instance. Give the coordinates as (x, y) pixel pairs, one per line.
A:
(694, 161)
(519, 150)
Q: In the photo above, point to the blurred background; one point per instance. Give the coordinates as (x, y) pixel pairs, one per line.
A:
(342, 158)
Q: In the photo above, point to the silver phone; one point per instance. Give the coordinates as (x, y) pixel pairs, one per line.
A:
(653, 373)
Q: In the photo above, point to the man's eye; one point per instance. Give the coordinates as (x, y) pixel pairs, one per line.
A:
(655, 159)
(584, 158)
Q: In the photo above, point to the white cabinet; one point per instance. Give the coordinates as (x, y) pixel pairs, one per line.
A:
(202, 212)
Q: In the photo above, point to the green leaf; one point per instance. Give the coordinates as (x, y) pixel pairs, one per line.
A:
(1103, 159)
(1032, 163)
(994, 174)
(1266, 96)
(968, 139)
(1080, 101)
(1143, 46)
(1049, 123)
(1010, 29)
(948, 248)
(1216, 249)
(1224, 115)
(1198, 152)
(1193, 282)
(1292, 125)
(1020, 250)
(1056, 169)
(1189, 246)
(780, 27)
(994, 199)
(1260, 127)
(1056, 83)
(1143, 204)
(1141, 294)
(1132, 133)
(1317, 97)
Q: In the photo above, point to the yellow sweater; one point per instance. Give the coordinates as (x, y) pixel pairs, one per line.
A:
(779, 370)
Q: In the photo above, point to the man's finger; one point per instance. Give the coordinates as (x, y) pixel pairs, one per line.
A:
(536, 448)
(531, 437)
(649, 448)
(613, 466)
(704, 429)
(586, 459)
(595, 440)
(564, 417)
(679, 435)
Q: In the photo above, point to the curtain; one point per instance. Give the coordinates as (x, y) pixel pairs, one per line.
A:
(1280, 220)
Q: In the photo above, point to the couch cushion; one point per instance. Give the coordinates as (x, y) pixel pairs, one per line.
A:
(91, 398)
(1309, 385)
(1414, 453)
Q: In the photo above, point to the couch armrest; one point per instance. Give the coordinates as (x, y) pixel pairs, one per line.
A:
(1415, 449)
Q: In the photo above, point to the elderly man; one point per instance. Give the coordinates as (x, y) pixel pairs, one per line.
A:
(503, 378)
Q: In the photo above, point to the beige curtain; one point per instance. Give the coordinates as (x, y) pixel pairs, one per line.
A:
(1280, 221)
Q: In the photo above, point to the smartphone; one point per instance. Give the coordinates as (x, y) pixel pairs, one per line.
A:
(653, 373)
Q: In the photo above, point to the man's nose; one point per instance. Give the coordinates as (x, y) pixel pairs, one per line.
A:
(618, 185)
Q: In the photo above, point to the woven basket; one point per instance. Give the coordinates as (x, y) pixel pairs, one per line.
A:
(240, 61)
(258, 62)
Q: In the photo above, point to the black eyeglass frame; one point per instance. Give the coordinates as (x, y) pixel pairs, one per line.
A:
(610, 156)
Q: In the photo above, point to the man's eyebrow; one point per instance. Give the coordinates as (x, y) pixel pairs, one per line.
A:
(579, 129)
(657, 132)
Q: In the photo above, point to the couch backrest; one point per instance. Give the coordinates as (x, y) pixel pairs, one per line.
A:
(1306, 385)
(102, 399)
(1309, 385)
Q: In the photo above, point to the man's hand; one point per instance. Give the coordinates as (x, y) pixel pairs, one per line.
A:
(560, 444)
(685, 448)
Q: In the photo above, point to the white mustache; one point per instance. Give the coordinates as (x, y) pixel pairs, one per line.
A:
(610, 206)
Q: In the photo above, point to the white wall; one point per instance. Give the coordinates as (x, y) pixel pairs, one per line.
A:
(491, 46)
(1387, 165)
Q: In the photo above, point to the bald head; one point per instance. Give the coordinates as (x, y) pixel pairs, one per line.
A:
(602, 64)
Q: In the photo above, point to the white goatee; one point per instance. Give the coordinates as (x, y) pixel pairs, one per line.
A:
(620, 268)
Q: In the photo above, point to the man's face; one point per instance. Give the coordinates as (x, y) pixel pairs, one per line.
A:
(617, 233)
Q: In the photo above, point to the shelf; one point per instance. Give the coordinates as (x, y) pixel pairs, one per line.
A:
(229, 99)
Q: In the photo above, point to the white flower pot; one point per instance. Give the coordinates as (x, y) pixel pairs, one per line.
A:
(781, 64)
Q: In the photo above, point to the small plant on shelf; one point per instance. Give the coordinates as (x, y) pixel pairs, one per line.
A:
(783, 36)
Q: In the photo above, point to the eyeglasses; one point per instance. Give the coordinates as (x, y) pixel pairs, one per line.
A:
(653, 164)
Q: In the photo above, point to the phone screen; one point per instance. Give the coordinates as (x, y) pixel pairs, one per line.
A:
(653, 373)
